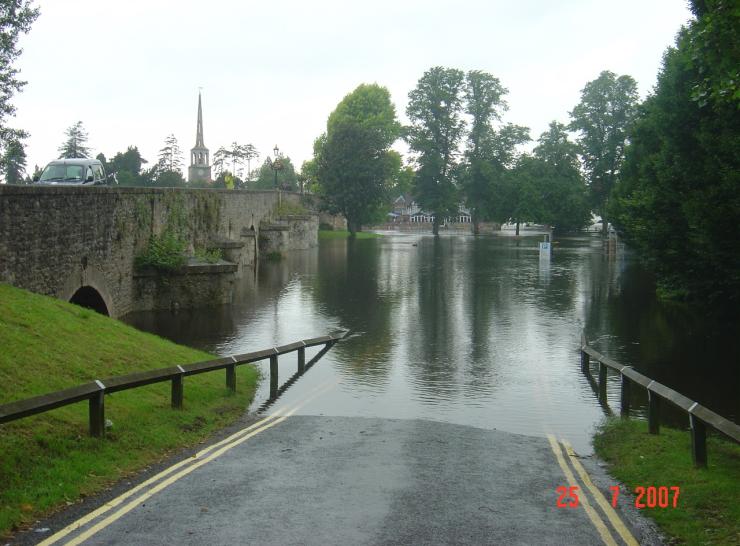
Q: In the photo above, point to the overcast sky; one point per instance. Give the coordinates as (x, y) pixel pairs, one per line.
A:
(272, 72)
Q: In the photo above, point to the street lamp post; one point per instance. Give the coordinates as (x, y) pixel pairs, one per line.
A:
(275, 163)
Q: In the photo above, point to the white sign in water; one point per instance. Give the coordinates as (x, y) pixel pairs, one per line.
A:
(545, 249)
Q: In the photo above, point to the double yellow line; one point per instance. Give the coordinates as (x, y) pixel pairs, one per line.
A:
(173, 473)
(605, 506)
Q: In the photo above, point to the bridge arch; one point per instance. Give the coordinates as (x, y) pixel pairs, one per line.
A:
(87, 296)
(87, 287)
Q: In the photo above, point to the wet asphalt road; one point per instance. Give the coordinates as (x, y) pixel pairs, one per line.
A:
(339, 480)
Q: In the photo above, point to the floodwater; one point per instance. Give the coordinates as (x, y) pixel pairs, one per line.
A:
(472, 330)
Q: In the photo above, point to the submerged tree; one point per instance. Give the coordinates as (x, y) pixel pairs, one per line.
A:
(75, 146)
(562, 189)
(355, 165)
(603, 117)
(484, 104)
(435, 110)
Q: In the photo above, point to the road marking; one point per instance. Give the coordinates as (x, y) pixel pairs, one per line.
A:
(245, 433)
(600, 499)
(590, 512)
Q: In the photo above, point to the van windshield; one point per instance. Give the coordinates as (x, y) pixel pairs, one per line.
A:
(62, 172)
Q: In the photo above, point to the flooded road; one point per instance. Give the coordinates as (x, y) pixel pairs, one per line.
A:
(469, 330)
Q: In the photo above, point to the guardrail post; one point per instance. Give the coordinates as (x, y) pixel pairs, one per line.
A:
(231, 377)
(584, 361)
(602, 381)
(273, 376)
(97, 414)
(301, 359)
(653, 413)
(624, 409)
(698, 442)
(177, 392)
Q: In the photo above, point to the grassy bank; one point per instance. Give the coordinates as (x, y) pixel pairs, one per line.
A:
(342, 234)
(48, 461)
(708, 510)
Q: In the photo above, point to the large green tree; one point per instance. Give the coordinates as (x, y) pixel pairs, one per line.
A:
(603, 118)
(484, 104)
(355, 166)
(679, 200)
(75, 144)
(435, 110)
(16, 18)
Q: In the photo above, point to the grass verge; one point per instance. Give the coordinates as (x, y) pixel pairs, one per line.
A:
(708, 510)
(343, 234)
(48, 461)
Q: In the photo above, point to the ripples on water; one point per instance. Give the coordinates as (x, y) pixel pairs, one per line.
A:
(470, 330)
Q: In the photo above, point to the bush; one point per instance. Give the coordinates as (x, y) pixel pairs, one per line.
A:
(209, 256)
(164, 253)
(287, 209)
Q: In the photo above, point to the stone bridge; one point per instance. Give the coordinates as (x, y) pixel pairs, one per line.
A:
(80, 243)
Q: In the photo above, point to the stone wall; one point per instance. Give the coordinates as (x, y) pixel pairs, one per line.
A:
(55, 240)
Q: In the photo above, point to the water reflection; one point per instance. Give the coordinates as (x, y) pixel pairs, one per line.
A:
(472, 330)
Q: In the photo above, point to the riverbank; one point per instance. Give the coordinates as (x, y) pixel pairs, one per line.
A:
(344, 234)
(708, 505)
(48, 461)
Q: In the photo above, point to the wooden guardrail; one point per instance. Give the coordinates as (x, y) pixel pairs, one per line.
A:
(95, 391)
(699, 416)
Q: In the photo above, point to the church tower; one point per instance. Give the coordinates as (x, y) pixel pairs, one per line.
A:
(200, 165)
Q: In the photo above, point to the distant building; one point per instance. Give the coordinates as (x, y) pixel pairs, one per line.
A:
(406, 210)
(200, 164)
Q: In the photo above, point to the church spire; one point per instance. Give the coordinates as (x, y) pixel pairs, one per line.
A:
(199, 133)
(200, 164)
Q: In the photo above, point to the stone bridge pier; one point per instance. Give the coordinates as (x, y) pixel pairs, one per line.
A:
(80, 243)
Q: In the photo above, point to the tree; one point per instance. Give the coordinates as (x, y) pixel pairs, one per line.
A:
(715, 45)
(170, 157)
(562, 190)
(521, 191)
(310, 168)
(237, 154)
(679, 200)
(603, 118)
(354, 165)
(169, 179)
(130, 161)
(435, 110)
(13, 162)
(286, 176)
(127, 167)
(484, 104)
(402, 175)
(74, 146)
(16, 18)
(226, 179)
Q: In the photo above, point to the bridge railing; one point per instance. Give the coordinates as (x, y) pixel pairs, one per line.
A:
(96, 390)
(699, 416)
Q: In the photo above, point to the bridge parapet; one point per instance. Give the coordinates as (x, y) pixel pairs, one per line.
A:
(57, 240)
